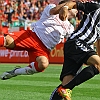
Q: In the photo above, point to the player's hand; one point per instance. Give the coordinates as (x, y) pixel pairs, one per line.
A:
(63, 13)
(71, 4)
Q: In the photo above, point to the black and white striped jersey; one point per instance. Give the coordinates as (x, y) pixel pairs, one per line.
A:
(86, 30)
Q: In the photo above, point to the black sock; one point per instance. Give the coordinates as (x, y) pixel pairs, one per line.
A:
(55, 95)
(83, 76)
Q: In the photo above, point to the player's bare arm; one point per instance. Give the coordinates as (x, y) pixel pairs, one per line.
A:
(56, 9)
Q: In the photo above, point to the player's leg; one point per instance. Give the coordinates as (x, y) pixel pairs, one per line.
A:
(69, 68)
(55, 95)
(70, 75)
(86, 74)
(78, 57)
(39, 61)
(38, 53)
(37, 66)
(34, 67)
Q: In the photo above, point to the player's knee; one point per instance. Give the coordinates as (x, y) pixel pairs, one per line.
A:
(44, 64)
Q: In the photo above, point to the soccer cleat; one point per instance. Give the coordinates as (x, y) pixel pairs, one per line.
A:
(65, 93)
(55, 95)
(8, 74)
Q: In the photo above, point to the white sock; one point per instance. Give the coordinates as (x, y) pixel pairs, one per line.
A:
(26, 70)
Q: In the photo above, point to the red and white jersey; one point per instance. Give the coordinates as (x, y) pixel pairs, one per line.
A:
(50, 29)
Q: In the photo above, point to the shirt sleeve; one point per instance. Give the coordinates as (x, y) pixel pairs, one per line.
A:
(48, 8)
(87, 7)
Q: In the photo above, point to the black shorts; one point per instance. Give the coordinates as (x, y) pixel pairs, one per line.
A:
(76, 53)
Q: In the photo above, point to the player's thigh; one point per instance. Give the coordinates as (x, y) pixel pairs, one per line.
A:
(94, 60)
(70, 67)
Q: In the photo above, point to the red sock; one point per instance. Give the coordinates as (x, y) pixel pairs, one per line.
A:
(36, 67)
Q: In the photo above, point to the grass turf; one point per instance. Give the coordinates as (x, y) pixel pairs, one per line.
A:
(39, 86)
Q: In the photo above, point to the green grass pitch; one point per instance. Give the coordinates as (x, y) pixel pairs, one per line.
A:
(39, 86)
